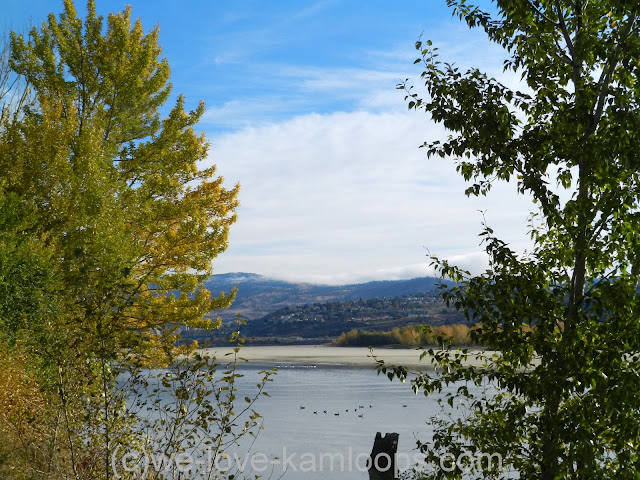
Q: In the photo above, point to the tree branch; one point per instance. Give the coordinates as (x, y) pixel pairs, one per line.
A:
(565, 31)
(606, 75)
(541, 13)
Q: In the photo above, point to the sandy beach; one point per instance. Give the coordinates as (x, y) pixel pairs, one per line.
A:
(320, 355)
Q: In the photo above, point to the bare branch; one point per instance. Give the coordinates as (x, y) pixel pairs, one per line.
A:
(14, 89)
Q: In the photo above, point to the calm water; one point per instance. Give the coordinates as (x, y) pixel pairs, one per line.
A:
(302, 442)
(300, 434)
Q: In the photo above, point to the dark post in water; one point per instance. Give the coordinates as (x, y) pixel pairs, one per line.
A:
(383, 457)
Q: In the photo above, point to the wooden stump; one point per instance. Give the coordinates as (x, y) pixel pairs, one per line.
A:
(383, 457)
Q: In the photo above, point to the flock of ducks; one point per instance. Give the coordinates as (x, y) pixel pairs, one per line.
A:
(355, 410)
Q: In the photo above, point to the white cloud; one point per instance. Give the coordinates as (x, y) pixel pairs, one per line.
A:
(300, 90)
(242, 33)
(274, 91)
(348, 196)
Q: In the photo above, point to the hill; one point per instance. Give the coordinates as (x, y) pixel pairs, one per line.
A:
(331, 319)
(258, 296)
(278, 311)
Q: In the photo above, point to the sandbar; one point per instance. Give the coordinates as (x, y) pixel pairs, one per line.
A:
(326, 355)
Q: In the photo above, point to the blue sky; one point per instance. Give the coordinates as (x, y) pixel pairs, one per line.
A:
(302, 110)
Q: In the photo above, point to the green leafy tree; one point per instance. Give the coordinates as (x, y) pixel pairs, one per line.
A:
(562, 399)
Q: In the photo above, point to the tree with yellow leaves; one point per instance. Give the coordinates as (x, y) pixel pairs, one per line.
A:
(120, 217)
(116, 187)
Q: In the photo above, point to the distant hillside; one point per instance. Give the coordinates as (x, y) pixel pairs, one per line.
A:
(331, 319)
(259, 296)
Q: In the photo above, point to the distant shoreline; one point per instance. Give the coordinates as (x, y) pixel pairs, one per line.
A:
(326, 355)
